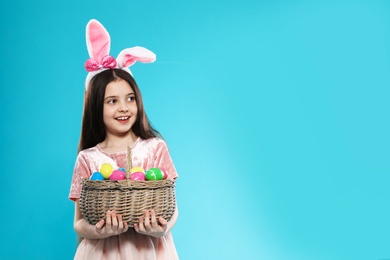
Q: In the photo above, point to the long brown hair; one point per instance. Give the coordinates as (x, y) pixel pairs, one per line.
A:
(93, 129)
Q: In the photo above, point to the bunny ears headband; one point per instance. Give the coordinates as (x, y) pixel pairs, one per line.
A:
(98, 45)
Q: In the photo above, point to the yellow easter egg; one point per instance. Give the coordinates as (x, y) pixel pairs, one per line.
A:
(137, 169)
(106, 169)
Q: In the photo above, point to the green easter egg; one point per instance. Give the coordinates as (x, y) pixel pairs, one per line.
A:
(154, 174)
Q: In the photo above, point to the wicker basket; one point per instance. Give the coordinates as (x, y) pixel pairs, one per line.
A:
(128, 198)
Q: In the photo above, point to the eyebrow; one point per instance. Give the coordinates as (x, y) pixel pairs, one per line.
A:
(130, 94)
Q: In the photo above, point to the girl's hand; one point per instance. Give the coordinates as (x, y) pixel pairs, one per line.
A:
(112, 225)
(150, 225)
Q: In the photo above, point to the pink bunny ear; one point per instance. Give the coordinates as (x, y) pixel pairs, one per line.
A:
(129, 56)
(98, 40)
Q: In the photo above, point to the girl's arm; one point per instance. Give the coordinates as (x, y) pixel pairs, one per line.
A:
(111, 226)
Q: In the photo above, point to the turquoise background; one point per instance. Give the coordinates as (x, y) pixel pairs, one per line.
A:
(276, 114)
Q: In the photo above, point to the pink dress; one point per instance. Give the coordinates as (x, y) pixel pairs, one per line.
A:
(130, 245)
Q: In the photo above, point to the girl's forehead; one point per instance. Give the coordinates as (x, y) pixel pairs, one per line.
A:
(119, 87)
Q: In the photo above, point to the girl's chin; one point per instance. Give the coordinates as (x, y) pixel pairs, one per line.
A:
(119, 130)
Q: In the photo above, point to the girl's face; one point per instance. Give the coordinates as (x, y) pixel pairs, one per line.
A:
(119, 108)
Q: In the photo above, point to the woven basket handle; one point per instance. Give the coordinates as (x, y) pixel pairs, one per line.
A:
(129, 163)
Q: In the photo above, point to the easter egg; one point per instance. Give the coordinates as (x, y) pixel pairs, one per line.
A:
(106, 170)
(165, 173)
(117, 175)
(136, 169)
(122, 169)
(96, 176)
(137, 176)
(154, 174)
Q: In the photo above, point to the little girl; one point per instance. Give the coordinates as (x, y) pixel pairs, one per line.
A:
(113, 119)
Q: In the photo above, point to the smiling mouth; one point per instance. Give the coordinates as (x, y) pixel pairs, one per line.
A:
(122, 118)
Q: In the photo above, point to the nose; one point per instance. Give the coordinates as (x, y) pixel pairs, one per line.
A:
(123, 107)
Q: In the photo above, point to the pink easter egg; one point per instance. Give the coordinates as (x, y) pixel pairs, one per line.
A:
(165, 173)
(117, 175)
(137, 176)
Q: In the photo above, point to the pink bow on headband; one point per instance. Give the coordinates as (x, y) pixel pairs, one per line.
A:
(108, 62)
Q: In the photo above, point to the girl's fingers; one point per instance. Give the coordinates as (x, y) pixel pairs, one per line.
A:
(147, 215)
(147, 220)
(108, 218)
(153, 219)
(100, 224)
(113, 224)
(122, 226)
(151, 225)
(120, 222)
(114, 219)
(125, 227)
(136, 227)
(163, 223)
(141, 225)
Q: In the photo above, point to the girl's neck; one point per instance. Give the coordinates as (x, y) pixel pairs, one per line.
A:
(114, 143)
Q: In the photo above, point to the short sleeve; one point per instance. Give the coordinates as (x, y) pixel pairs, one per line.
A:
(81, 171)
(163, 160)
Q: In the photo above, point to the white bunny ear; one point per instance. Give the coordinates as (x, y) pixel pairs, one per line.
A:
(129, 56)
(98, 40)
